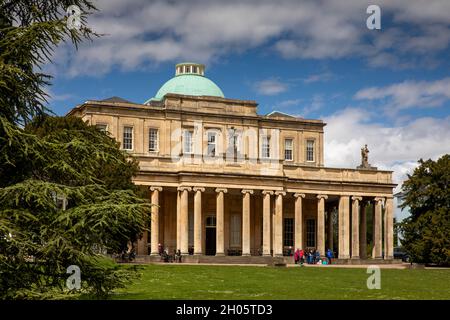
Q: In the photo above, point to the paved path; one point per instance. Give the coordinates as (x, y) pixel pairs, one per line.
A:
(363, 266)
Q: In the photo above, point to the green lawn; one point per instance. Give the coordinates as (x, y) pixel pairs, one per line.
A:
(234, 282)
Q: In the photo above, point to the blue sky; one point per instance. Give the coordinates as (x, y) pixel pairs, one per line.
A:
(389, 88)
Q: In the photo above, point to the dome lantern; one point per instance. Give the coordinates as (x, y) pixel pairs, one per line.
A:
(189, 68)
(189, 80)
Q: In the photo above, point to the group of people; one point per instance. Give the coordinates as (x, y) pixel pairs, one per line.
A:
(312, 257)
(166, 257)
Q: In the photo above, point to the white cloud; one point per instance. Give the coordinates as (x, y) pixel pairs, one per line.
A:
(409, 94)
(142, 33)
(319, 77)
(270, 87)
(391, 148)
(288, 103)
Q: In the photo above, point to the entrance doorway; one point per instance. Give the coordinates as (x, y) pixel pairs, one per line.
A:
(210, 237)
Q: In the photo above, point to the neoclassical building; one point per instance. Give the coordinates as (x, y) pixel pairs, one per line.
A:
(226, 180)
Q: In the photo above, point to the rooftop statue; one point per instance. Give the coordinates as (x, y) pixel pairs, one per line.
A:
(365, 159)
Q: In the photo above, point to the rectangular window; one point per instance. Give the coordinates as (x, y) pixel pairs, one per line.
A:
(102, 127)
(188, 141)
(310, 233)
(265, 147)
(128, 138)
(212, 144)
(288, 232)
(288, 149)
(153, 140)
(235, 230)
(310, 150)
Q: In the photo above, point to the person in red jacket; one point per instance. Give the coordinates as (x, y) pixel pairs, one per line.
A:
(297, 256)
(301, 256)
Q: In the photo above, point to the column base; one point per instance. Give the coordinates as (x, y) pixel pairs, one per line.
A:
(355, 257)
(267, 255)
(246, 254)
(344, 257)
(154, 254)
(220, 254)
(389, 258)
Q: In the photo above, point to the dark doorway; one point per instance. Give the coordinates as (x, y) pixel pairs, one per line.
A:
(210, 241)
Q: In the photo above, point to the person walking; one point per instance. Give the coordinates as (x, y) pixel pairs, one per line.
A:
(301, 257)
(297, 256)
(329, 255)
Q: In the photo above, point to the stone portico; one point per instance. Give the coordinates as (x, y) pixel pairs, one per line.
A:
(225, 180)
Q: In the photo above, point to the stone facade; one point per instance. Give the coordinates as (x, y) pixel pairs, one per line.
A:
(227, 181)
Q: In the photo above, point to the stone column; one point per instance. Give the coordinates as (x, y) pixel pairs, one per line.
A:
(363, 231)
(321, 223)
(184, 220)
(355, 227)
(344, 226)
(220, 221)
(178, 220)
(330, 229)
(298, 221)
(266, 222)
(198, 243)
(155, 220)
(389, 229)
(246, 222)
(377, 240)
(278, 225)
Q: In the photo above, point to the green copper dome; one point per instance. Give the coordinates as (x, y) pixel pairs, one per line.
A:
(189, 80)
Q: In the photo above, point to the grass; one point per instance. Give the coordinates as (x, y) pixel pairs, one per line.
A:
(234, 282)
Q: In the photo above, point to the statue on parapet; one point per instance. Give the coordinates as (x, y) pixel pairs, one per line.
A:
(365, 159)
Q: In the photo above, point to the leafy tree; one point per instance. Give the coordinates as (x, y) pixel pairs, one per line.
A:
(63, 158)
(46, 160)
(426, 232)
(29, 31)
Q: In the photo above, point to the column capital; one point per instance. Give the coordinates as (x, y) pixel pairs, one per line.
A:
(270, 192)
(153, 188)
(299, 195)
(378, 199)
(224, 190)
(280, 193)
(183, 188)
(322, 196)
(357, 198)
(244, 191)
(201, 189)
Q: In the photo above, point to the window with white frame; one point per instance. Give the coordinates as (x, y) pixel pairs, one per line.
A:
(265, 147)
(235, 230)
(152, 139)
(188, 141)
(288, 149)
(128, 138)
(310, 150)
(212, 144)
